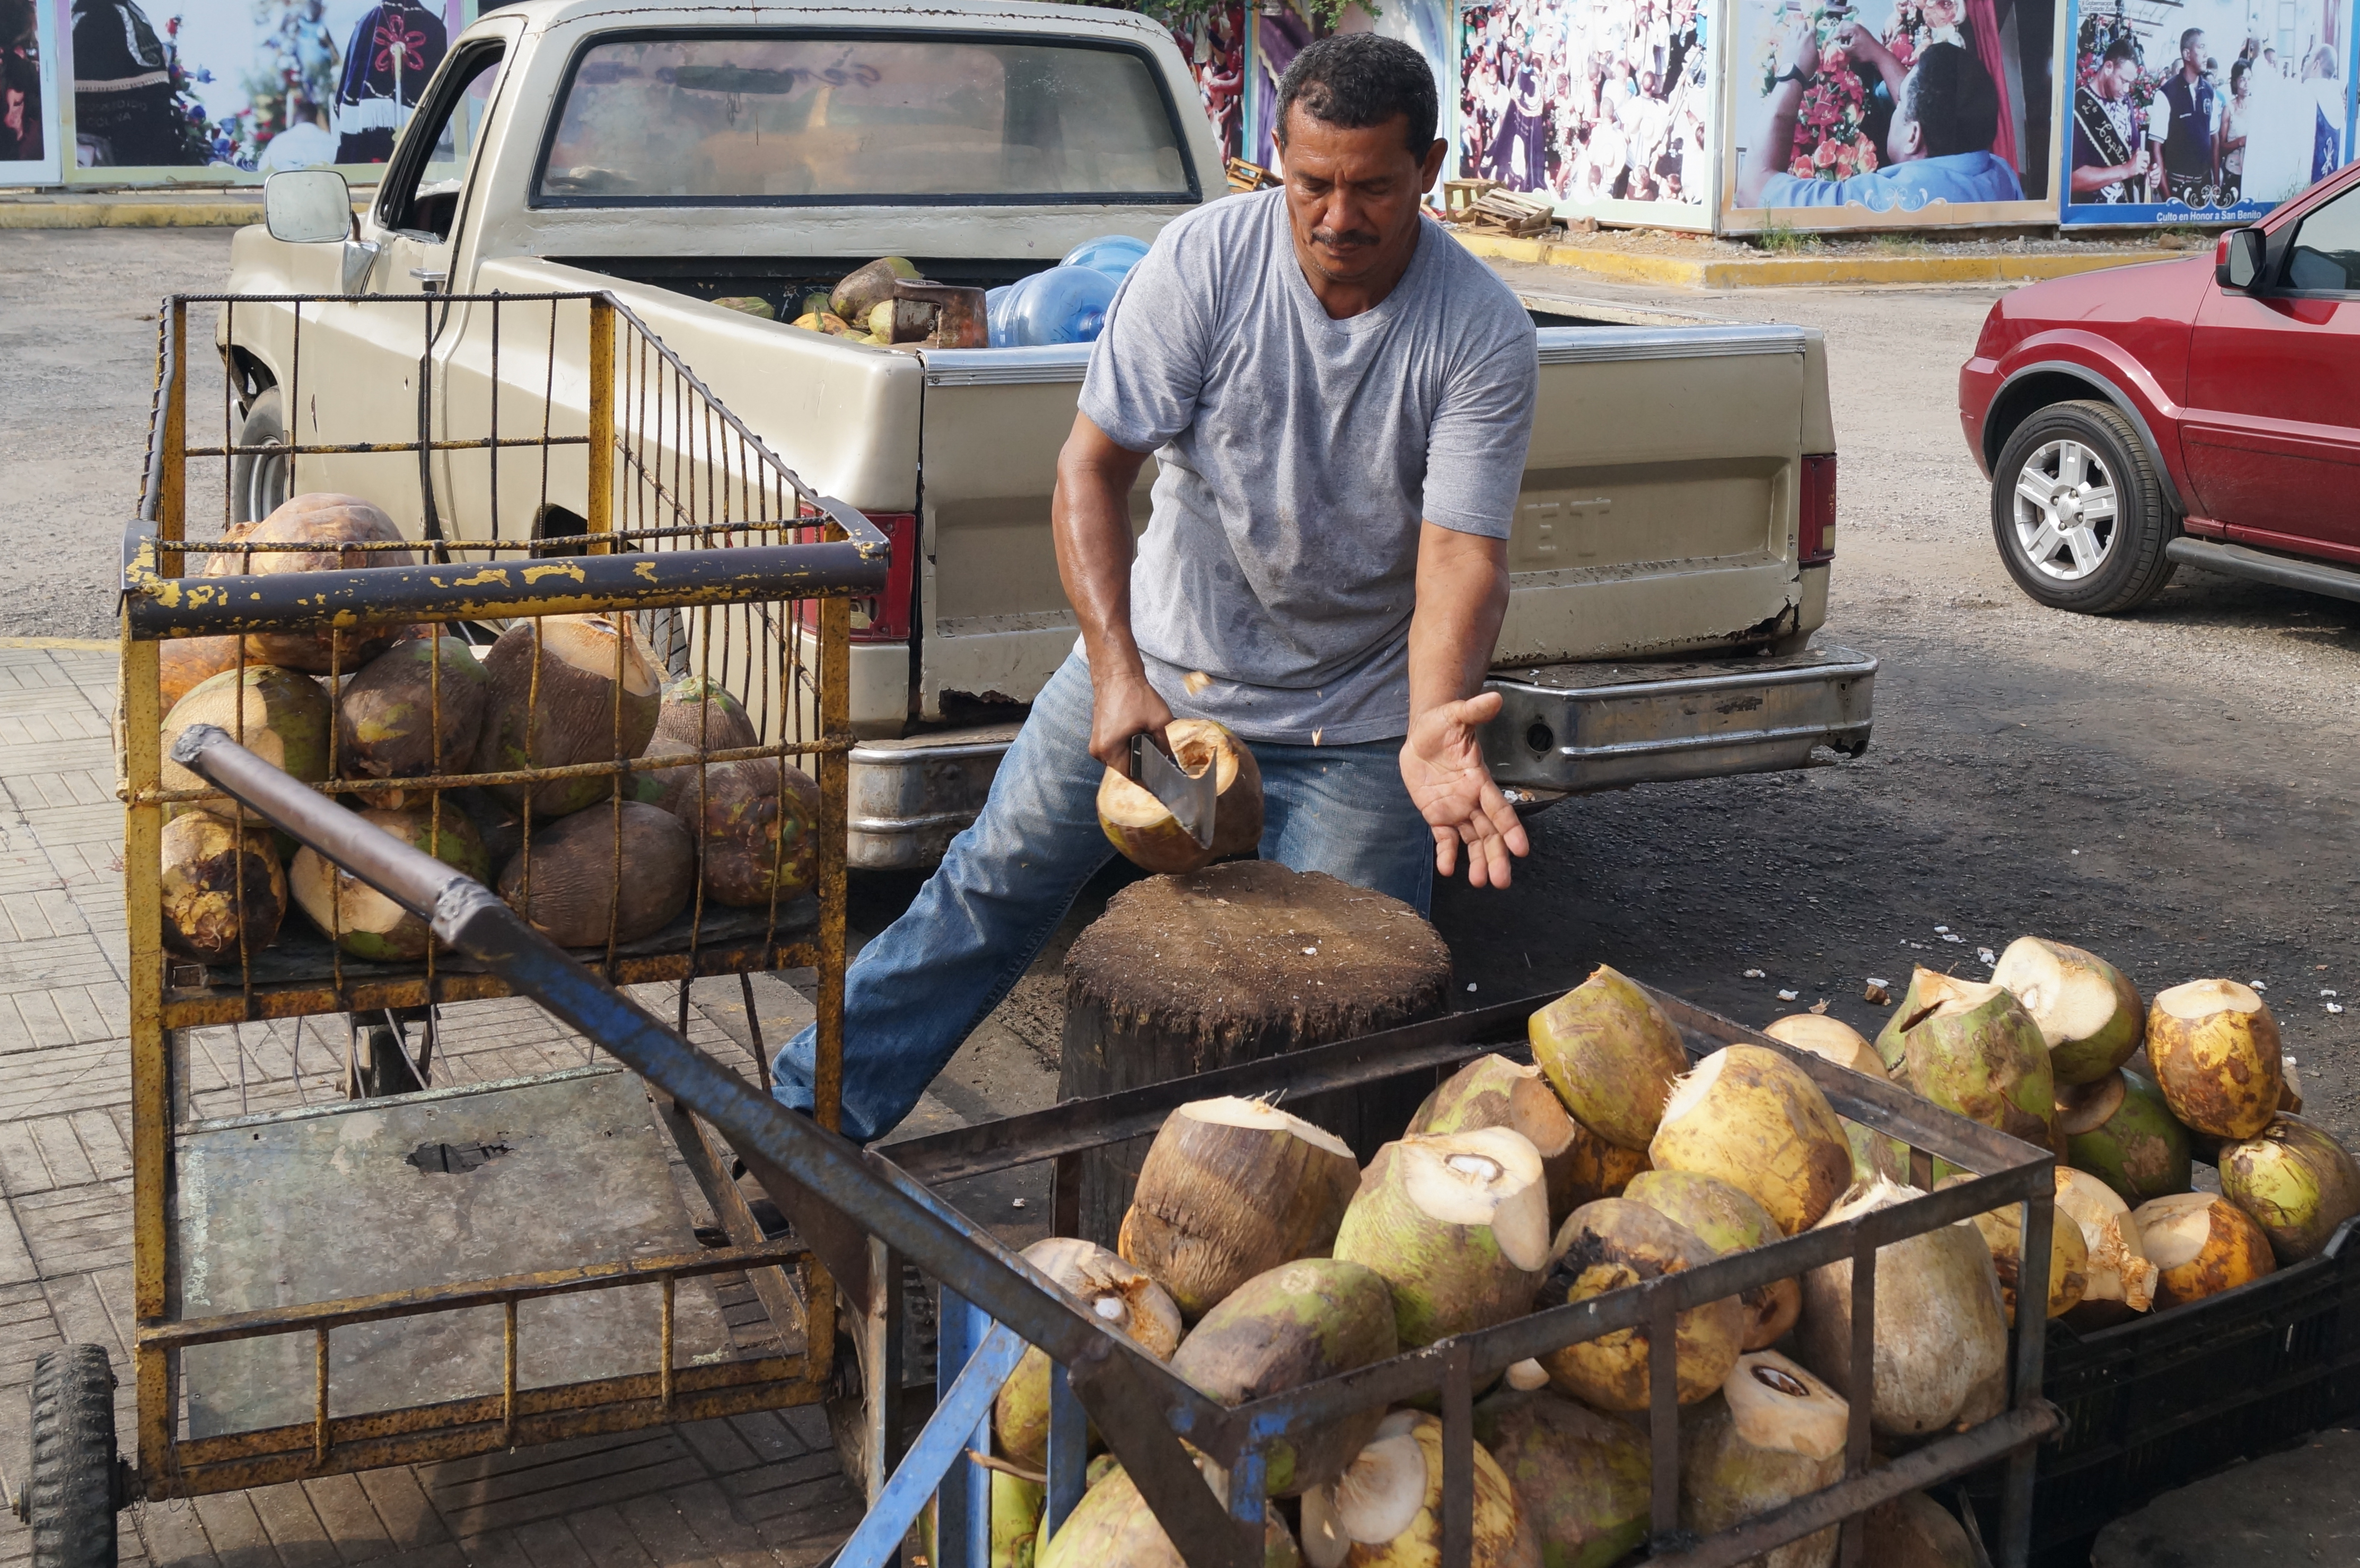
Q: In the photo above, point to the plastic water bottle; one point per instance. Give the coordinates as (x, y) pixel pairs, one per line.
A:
(995, 310)
(1114, 254)
(1062, 305)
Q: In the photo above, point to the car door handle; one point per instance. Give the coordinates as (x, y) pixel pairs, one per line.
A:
(431, 278)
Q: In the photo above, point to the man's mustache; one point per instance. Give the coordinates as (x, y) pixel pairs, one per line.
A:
(1337, 239)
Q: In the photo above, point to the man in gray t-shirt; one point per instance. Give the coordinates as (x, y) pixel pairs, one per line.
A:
(1339, 399)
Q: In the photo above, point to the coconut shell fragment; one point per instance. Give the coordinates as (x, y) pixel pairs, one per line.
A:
(1459, 1226)
(1611, 1055)
(1580, 1478)
(1611, 1245)
(220, 888)
(2295, 1182)
(2200, 1245)
(1121, 1297)
(1754, 1119)
(2215, 1046)
(1727, 1220)
(2088, 1010)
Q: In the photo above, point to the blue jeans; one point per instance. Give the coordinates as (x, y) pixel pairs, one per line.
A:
(926, 981)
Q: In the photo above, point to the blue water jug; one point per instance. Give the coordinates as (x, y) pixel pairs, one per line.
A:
(1062, 305)
(1114, 254)
(995, 311)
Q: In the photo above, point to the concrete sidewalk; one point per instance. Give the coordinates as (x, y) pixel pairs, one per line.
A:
(1808, 268)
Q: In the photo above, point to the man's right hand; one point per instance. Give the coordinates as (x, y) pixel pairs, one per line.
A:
(1121, 708)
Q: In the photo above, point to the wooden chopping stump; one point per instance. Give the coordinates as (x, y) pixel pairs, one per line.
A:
(1240, 960)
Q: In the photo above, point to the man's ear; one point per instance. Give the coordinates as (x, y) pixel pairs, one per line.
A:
(1913, 138)
(1431, 164)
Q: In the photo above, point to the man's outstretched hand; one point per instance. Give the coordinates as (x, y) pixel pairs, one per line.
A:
(1443, 765)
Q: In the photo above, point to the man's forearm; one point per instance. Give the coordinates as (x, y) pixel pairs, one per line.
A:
(1462, 597)
(1778, 146)
(1090, 520)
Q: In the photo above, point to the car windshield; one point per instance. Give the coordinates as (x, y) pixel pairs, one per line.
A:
(712, 119)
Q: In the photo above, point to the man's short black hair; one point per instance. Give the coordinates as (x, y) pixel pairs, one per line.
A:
(2121, 49)
(1357, 79)
(1953, 100)
(2187, 39)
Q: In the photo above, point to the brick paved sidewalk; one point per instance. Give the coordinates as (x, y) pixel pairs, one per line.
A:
(747, 1491)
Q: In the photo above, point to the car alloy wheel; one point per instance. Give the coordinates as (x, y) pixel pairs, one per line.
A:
(2065, 509)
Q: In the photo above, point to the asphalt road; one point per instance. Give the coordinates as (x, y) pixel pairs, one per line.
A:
(2171, 789)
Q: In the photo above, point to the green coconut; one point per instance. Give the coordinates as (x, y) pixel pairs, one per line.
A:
(2297, 1184)
(1976, 1051)
(1727, 1220)
(1611, 1245)
(220, 886)
(364, 921)
(756, 821)
(2119, 1130)
(2088, 1010)
(1290, 1325)
(1492, 1090)
(385, 716)
(1939, 1328)
(1927, 987)
(1457, 1225)
(752, 305)
(1018, 1508)
(1831, 1039)
(1580, 1478)
(2002, 1232)
(1121, 1297)
(2215, 1046)
(1611, 1054)
(1751, 1116)
(1774, 1434)
(280, 715)
(1231, 1189)
(1913, 1531)
(1112, 1527)
(699, 711)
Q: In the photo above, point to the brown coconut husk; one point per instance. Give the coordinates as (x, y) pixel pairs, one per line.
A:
(1229, 1189)
(563, 881)
(220, 886)
(2087, 1009)
(1118, 1295)
(1754, 1119)
(2217, 1057)
(1913, 1531)
(181, 663)
(2201, 1244)
(1145, 832)
(1727, 1220)
(1611, 1055)
(756, 821)
(705, 716)
(1459, 1226)
(330, 524)
(554, 702)
(1611, 1244)
(1492, 1090)
(2295, 1182)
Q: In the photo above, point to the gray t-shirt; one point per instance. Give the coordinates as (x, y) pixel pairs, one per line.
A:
(1295, 457)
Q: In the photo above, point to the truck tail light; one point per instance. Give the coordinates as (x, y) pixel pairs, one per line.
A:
(1817, 522)
(885, 618)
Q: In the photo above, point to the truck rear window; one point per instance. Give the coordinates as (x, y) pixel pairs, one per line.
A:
(714, 119)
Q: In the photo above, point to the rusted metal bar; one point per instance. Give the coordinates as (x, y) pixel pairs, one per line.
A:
(320, 1394)
(1663, 1418)
(1458, 1457)
(598, 503)
(328, 449)
(518, 774)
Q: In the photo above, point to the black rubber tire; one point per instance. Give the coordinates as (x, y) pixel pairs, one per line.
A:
(258, 481)
(70, 1495)
(2135, 567)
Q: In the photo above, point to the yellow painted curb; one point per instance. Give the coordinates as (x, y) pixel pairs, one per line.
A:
(128, 214)
(1791, 271)
(77, 644)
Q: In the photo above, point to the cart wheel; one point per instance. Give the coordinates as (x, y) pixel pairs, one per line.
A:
(74, 1489)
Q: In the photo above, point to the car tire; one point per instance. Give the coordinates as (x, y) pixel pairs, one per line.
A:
(2077, 511)
(259, 481)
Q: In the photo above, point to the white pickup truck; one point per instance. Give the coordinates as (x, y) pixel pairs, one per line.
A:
(1670, 555)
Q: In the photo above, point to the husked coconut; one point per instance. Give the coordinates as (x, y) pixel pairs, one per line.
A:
(665, 787)
(864, 288)
(1755, 1120)
(2088, 1010)
(2295, 1182)
(2068, 1254)
(1147, 833)
(700, 713)
(1390, 1510)
(565, 879)
(1229, 1189)
(2119, 1130)
(1611, 1054)
(1611, 1245)
(386, 716)
(2217, 1059)
(220, 884)
(1774, 1434)
(1726, 1219)
(1580, 1478)
(1457, 1223)
(1831, 1039)
(331, 526)
(1492, 1090)
(756, 821)
(1112, 1527)
(1117, 1294)
(181, 663)
(1938, 1330)
(2200, 1245)
(2122, 1280)
(1927, 988)
(280, 715)
(566, 690)
(1290, 1325)
(1913, 1531)
(1978, 1052)
(364, 921)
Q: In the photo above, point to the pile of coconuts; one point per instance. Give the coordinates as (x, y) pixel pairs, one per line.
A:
(361, 703)
(1258, 1256)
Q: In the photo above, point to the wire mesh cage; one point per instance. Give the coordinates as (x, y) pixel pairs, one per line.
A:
(548, 611)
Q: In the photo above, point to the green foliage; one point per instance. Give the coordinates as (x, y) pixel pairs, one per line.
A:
(1781, 239)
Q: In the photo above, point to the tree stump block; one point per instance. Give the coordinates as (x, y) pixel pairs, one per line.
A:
(1240, 960)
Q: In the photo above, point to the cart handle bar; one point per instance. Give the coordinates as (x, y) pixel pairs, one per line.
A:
(1138, 1405)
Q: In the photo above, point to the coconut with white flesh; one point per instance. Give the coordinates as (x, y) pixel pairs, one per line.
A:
(566, 690)
(1112, 1527)
(2297, 1184)
(1939, 1331)
(364, 921)
(1978, 1052)
(1611, 1245)
(2088, 1010)
(2215, 1049)
(1926, 988)
(1492, 1090)
(2200, 1245)
(1913, 1531)
(1386, 1509)
(2122, 1280)
(2002, 1232)
(1290, 1325)
(1580, 1478)
(1229, 1189)
(2119, 1130)
(1117, 1294)
(1754, 1119)
(1611, 1054)
(1831, 1039)
(1727, 1220)
(1775, 1433)
(1457, 1225)
(1144, 830)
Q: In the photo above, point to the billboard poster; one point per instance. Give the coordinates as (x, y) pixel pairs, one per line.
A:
(1892, 113)
(2206, 110)
(1213, 43)
(1605, 104)
(29, 134)
(214, 91)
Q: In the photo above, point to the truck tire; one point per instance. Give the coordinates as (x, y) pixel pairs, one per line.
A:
(71, 1494)
(259, 481)
(2078, 512)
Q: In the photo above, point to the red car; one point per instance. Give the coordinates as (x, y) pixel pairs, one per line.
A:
(2205, 411)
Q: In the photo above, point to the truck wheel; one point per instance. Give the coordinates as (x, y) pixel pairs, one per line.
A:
(258, 481)
(2078, 512)
(71, 1495)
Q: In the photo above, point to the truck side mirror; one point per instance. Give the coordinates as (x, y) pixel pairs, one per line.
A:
(2238, 259)
(307, 206)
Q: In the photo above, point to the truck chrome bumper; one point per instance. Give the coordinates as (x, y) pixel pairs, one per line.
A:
(1568, 728)
(910, 798)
